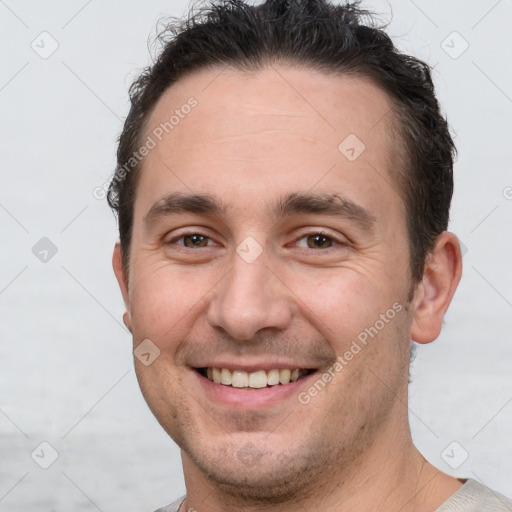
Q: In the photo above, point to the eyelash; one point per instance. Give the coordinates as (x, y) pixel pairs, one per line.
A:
(336, 241)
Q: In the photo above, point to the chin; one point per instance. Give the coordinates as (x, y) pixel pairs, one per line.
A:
(254, 468)
(267, 481)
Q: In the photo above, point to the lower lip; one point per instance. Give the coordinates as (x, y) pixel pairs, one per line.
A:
(251, 398)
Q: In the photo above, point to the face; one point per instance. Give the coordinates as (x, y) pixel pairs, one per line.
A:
(268, 239)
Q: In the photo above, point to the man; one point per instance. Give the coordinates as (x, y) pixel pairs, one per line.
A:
(283, 190)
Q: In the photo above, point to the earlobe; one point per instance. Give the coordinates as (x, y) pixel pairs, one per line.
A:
(443, 269)
(117, 264)
(127, 320)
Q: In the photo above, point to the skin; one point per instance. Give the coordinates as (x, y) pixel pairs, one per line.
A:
(252, 138)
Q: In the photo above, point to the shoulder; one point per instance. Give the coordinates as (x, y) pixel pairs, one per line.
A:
(173, 507)
(476, 497)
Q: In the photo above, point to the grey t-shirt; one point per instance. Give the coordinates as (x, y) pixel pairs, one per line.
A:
(471, 497)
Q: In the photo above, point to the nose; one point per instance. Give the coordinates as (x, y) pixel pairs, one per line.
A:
(250, 298)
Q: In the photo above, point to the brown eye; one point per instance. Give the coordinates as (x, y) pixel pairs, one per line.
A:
(319, 241)
(195, 240)
(191, 240)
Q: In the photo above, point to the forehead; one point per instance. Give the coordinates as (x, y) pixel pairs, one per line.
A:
(263, 131)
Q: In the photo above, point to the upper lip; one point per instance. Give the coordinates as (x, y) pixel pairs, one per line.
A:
(254, 366)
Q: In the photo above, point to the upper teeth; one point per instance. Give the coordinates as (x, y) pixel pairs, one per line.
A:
(259, 379)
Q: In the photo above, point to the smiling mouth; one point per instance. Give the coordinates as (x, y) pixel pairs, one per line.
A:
(253, 380)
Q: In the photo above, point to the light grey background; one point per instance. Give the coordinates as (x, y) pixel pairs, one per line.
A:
(66, 371)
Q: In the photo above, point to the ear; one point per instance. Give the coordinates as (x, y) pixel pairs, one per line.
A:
(119, 271)
(443, 269)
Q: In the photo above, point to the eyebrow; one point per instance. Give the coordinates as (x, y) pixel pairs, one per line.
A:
(179, 202)
(325, 204)
(290, 204)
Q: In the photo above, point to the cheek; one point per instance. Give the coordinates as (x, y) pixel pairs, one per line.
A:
(342, 296)
(360, 314)
(164, 394)
(162, 301)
